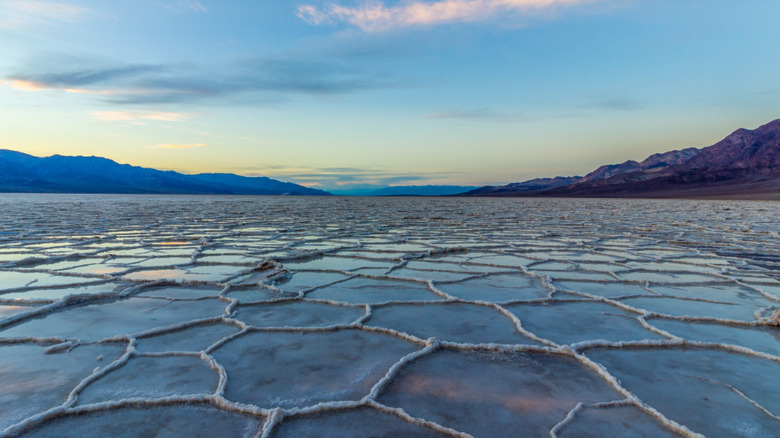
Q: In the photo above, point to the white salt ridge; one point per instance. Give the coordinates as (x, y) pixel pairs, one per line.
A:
(491, 259)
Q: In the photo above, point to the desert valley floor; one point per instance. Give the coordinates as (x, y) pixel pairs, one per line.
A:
(167, 316)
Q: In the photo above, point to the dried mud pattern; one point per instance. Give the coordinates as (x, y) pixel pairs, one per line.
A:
(424, 317)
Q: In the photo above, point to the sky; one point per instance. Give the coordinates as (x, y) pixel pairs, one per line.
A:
(343, 94)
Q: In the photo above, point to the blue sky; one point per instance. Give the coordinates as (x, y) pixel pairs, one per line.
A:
(344, 93)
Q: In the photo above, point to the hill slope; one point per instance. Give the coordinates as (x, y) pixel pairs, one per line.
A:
(745, 164)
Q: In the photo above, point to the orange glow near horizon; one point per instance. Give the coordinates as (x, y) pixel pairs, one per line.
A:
(25, 85)
(29, 85)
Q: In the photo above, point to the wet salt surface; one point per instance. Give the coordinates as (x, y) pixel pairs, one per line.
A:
(272, 317)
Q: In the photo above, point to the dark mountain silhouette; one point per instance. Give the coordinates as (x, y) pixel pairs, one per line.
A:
(745, 164)
(60, 174)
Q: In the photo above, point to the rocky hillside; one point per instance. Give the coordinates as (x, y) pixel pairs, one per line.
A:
(744, 164)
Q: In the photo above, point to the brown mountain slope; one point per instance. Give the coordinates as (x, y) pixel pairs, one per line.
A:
(653, 163)
(746, 164)
(756, 151)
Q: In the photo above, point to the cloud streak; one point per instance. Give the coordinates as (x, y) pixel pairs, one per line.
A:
(615, 104)
(485, 115)
(191, 5)
(147, 84)
(22, 13)
(344, 177)
(375, 16)
(131, 116)
(181, 5)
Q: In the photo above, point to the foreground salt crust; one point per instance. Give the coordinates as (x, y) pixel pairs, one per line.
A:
(259, 317)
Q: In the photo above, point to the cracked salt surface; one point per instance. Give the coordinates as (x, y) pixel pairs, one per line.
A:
(272, 317)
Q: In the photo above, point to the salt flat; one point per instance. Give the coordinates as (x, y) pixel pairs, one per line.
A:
(262, 316)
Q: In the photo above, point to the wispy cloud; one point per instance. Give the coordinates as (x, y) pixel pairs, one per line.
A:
(193, 5)
(375, 15)
(180, 146)
(474, 115)
(332, 177)
(614, 104)
(130, 116)
(146, 84)
(22, 13)
(25, 85)
(181, 5)
(87, 76)
(37, 85)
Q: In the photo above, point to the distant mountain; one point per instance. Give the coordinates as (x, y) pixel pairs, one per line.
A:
(745, 164)
(406, 191)
(60, 174)
(532, 185)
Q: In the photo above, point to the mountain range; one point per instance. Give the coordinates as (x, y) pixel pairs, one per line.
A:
(22, 173)
(746, 164)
